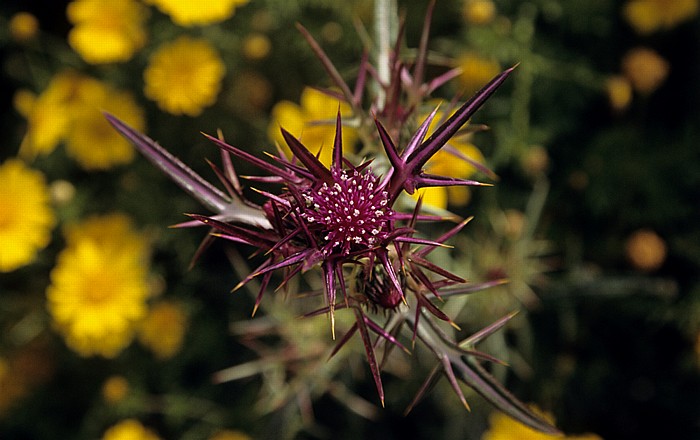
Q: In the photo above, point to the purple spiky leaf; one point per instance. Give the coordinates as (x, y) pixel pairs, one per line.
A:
(444, 133)
(389, 268)
(329, 287)
(428, 180)
(338, 144)
(488, 330)
(429, 382)
(361, 80)
(391, 152)
(207, 194)
(479, 166)
(305, 157)
(466, 289)
(477, 378)
(287, 176)
(384, 334)
(369, 350)
(452, 379)
(261, 291)
(419, 136)
(249, 236)
(228, 185)
(343, 340)
(286, 262)
(435, 268)
(327, 64)
(422, 57)
(441, 80)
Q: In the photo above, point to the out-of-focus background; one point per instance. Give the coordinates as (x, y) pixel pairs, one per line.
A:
(105, 331)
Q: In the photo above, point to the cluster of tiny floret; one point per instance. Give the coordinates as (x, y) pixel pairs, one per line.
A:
(349, 215)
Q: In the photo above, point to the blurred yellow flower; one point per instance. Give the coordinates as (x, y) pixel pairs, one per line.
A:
(106, 31)
(503, 427)
(256, 46)
(313, 121)
(129, 429)
(193, 13)
(164, 328)
(115, 389)
(69, 110)
(230, 435)
(619, 91)
(535, 160)
(92, 141)
(112, 232)
(98, 288)
(184, 76)
(445, 163)
(647, 16)
(23, 26)
(645, 250)
(47, 115)
(645, 69)
(478, 11)
(26, 218)
(251, 93)
(476, 71)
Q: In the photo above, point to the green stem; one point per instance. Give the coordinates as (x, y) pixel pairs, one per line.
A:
(385, 31)
(523, 33)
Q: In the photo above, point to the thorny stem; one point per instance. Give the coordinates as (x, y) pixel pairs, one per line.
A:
(456, 365)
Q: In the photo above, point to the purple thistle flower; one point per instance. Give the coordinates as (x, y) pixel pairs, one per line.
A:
(344, 218)
(337, 216)
(352, 213)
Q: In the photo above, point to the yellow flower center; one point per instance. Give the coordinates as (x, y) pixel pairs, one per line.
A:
(7, 213)
(99, 289)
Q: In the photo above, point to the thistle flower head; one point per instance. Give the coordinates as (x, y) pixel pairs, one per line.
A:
(349, 216)
(334, 218)
(343, 220)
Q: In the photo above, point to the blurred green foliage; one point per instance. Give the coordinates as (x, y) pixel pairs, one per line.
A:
(605, 344)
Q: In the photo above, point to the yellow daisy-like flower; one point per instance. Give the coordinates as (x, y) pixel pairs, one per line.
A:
(647, 16)
(646, 250)
(256, 46)
(476, 71)
(91, 140)
(70, 110)
(303, 122)
(115, 389)
(619, 91)
(184, 77)
(129, 429)
(99, 288)
(193, 13)
(23, 26)
(112, 232)
(48, 115)
(26, 218)
(479, 11)
(106, 31)
(503, 427)
(645, 69)
(164, 328)
(446, 163)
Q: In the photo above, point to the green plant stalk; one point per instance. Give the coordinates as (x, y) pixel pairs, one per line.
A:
(385, 29)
